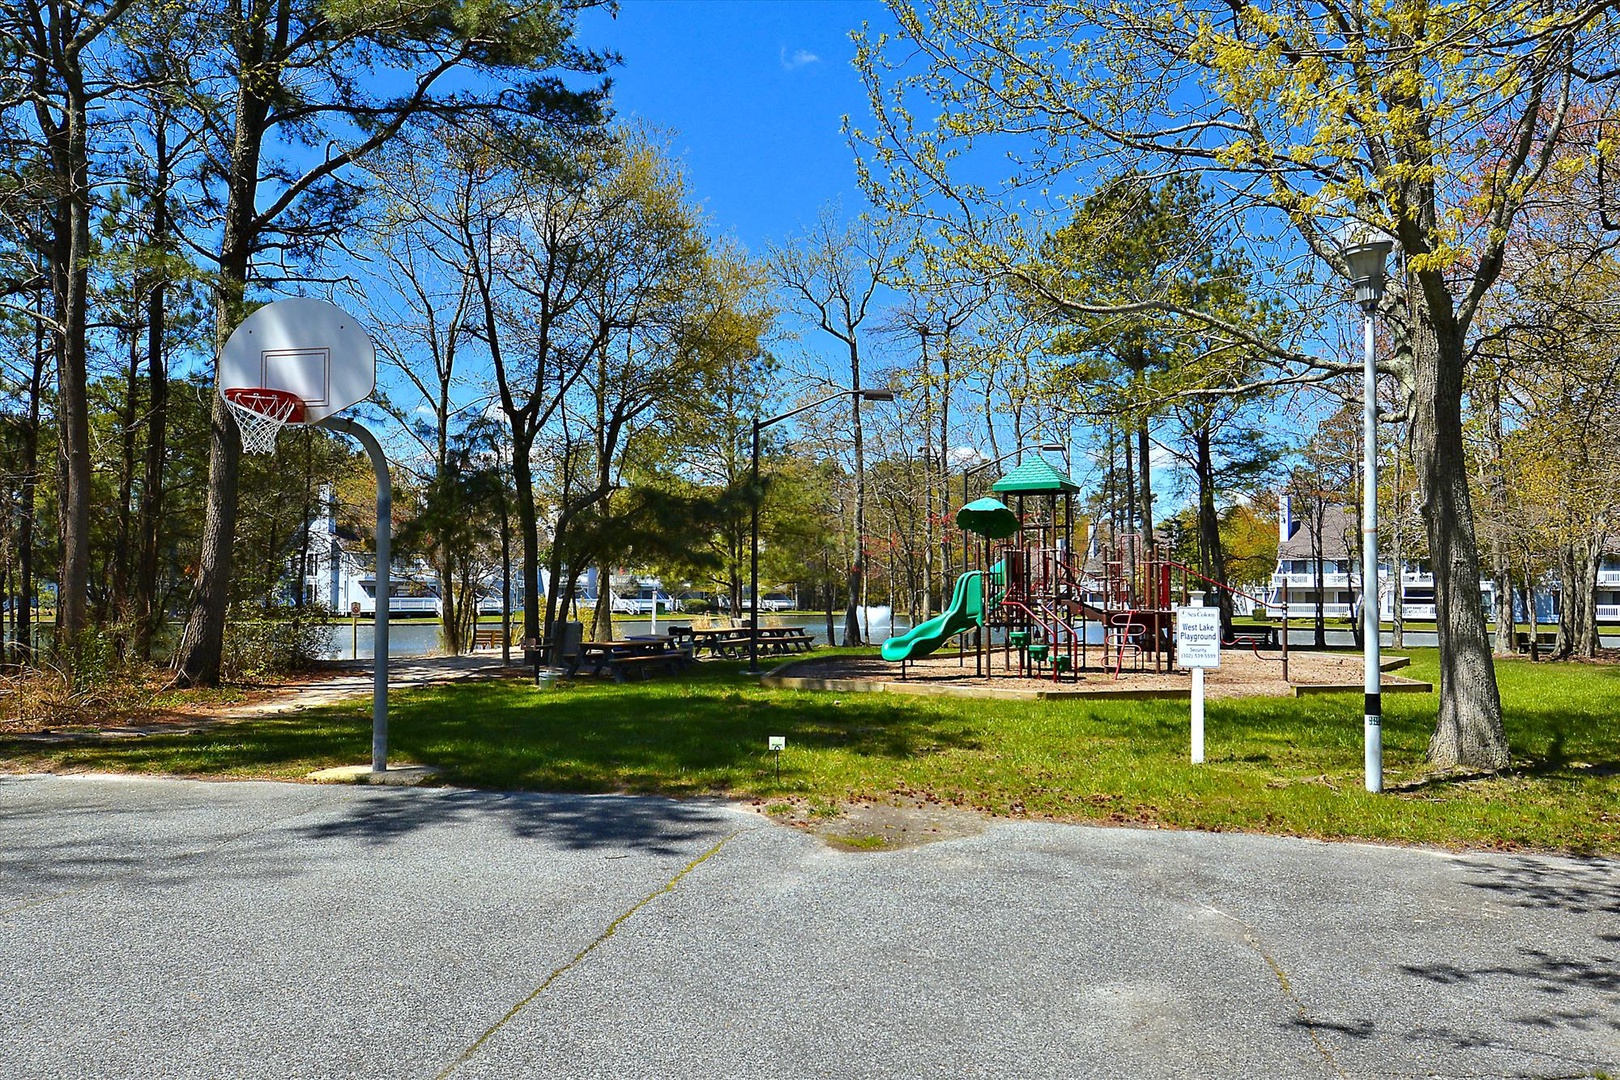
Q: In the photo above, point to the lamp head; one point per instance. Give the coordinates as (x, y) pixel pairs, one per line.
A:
(1365, 250)
(1053, 448)
(874, 395)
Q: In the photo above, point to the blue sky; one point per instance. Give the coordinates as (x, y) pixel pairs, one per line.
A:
(754, 93)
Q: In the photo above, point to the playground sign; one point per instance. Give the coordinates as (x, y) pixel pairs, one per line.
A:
(1198, 646)
(1198, 637)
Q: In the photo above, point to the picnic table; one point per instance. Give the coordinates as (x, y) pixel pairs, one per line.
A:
(642, 656)
(733, 641)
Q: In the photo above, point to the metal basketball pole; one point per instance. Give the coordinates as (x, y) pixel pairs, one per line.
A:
(385, 521)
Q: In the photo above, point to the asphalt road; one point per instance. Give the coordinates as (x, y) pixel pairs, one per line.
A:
(176, 929)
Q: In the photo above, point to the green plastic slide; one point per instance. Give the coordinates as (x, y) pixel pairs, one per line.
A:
(963, 614)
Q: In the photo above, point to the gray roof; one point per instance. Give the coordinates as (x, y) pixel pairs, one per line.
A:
(1340, 534)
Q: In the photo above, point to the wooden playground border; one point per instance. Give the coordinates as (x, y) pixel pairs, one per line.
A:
(782, 678)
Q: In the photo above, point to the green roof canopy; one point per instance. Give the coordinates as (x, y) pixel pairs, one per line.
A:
(988, 518)
(1035, 477)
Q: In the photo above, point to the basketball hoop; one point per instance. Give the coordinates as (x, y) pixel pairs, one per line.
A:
(260, 413)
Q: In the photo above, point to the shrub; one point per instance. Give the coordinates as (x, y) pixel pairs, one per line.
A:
(261, 641)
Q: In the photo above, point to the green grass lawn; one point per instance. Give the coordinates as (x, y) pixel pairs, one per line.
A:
(1279, 765)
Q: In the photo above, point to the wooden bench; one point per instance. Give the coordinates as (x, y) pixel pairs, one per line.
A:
(1253, 637)
(620, 664)
(488, 637)
(642, 666)
(1545, 639)
(800, 642)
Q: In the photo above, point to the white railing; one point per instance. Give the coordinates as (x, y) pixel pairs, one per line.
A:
(1608, 612)
(402, 605)
(1307, 581)
(1297, 610)
(1608, 577)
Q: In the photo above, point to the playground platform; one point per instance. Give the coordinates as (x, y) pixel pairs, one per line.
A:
(1241, 674)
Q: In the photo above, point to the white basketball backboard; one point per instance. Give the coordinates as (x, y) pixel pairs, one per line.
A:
(307, 347)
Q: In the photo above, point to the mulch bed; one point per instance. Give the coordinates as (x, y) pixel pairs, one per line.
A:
(1242, 673)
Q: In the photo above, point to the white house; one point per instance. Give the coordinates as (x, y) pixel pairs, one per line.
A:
(339, 574)
(1339, 538)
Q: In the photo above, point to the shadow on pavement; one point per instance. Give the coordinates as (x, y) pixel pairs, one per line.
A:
(1578, 986)
(574, 822)
(1580, 887)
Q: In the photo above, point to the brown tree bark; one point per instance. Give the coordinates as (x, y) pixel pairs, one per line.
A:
(1468, 732)
(28, 511)
(197, 660)
(1212, 555)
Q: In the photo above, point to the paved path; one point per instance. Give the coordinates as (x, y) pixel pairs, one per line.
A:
(186, 929)
(403, 672)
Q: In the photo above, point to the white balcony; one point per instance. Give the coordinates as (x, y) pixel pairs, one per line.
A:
(1308, 580)
(1297, 610)
(1608, 612)
(1608, 577)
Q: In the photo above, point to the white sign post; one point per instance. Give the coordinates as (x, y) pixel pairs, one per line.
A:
(1198, 646)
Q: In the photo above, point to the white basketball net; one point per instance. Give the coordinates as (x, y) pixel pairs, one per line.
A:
(260, 417)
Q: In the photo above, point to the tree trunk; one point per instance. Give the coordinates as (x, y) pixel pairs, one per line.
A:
(1145, 485)
(602, 617)
(197, 659)
(852, 624)
(529, 537)
(857, 567)
(1212, 555)
(147, 611)
(1320, 624)
(1397, 560)
(1495, 486)
(1586, 646)
(827, 584)
(1528, 595)
(1468, 732)
(444, 568)
(123, 555)
(1129, 567)
(71, 285)
(1577, 616)
(23, 620)
(506, 577)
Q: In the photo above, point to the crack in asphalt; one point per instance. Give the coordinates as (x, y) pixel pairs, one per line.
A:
(1252, 939)
(612, 928)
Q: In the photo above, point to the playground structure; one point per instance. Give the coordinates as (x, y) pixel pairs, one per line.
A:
(1037, 591)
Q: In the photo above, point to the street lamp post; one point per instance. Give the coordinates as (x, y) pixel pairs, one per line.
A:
(1365, 252)
(753, 570)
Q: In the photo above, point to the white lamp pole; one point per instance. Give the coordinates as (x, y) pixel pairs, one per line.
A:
(1365, 252)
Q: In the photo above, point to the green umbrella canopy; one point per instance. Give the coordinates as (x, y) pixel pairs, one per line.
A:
(1035, 477)
(989, 518)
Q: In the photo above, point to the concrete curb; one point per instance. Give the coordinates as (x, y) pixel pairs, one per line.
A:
(395, 776)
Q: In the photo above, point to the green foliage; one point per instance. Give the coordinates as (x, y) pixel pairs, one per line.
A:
(263, 641)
